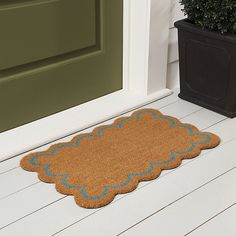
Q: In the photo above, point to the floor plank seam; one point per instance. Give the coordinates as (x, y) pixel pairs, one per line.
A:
(4, 172)
(19, 190)
(218, 122)
(192, 113)
(32, 213)
(213, 217)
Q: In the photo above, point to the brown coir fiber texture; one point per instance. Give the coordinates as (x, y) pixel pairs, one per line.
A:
(113, 159)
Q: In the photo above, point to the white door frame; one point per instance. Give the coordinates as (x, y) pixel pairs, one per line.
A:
(146, 34)
(146, 31)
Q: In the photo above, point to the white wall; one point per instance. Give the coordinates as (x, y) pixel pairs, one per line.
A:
(173, 57)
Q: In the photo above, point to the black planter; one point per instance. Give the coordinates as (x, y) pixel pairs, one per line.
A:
(207, 68)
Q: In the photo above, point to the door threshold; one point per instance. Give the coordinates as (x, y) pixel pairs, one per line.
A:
(32, 135)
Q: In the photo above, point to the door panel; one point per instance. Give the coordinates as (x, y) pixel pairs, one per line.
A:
(73, 55)
(44, 29)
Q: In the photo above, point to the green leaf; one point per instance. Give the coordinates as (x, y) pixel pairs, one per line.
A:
(214, 15)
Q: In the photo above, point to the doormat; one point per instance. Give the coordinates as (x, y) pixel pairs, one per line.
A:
(112, 159)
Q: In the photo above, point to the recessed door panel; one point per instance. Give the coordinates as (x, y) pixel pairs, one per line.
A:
(35, 30)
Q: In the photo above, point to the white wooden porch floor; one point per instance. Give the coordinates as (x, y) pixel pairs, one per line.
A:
(198, 198)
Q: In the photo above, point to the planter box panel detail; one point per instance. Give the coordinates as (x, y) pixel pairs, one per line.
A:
(207, 68)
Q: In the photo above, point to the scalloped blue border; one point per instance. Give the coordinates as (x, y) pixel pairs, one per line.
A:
(155, 116)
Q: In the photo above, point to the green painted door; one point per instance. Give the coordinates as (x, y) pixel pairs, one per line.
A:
(56, 54)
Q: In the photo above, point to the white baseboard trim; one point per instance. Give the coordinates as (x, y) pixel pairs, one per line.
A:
(59, 125)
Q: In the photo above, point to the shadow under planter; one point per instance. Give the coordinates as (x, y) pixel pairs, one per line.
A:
(207, 68)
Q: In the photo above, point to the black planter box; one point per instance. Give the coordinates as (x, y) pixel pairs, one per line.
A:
(207, 68)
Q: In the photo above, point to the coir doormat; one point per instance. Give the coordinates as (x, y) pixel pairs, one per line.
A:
(113, 159)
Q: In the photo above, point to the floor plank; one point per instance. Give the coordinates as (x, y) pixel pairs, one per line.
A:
(180, 109)
(190, 211)
(15, 180)
(222, 224)
(25, 202)
(203, 118)
(226, 129)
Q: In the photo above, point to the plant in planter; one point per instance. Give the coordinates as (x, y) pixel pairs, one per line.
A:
(207, 52)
